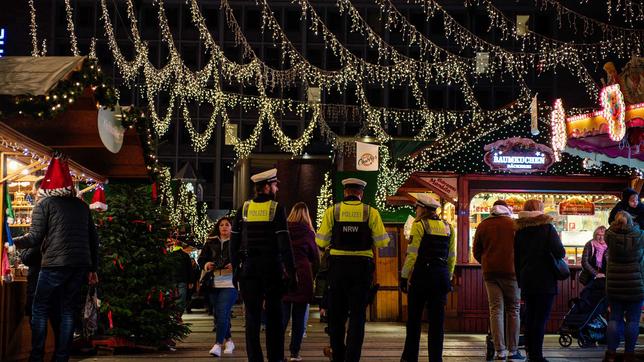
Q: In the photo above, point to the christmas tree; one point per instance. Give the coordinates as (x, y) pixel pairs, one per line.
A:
(137, 293)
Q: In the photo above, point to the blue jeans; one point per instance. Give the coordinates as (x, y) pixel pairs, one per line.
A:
(632, 310)
(222, 301)
(61, 286)
(182, 297)
(299, 324)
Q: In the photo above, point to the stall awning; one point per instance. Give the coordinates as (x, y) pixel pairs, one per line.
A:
(588, 137)
(34, 75)
(12, 140)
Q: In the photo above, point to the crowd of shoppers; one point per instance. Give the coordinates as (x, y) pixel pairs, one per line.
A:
(273, 260)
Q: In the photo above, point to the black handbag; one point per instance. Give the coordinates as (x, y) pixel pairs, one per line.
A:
(207, 281)
(561, 269)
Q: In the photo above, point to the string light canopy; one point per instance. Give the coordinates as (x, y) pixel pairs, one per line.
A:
(435, 64)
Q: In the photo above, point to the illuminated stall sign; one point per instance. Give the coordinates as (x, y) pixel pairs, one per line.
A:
(518, 155)
(2, 41)
(576, 206)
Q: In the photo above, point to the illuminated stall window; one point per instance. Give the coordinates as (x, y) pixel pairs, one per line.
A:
(575, 216)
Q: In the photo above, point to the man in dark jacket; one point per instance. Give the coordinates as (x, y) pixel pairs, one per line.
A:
(63, 229)
(630, 203)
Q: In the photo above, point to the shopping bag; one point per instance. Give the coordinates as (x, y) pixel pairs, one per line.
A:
(90, 313)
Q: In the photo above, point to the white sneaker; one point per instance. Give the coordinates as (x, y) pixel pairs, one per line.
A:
(216, 350)
(229, 347)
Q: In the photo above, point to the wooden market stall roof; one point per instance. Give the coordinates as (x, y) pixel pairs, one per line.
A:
(10, 139)
(73, 132)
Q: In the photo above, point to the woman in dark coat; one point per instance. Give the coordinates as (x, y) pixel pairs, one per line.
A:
(307, 262)
(624, 284)
(535, 239)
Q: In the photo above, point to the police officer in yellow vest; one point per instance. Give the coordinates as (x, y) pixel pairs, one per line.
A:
(352, 229)
(426, 274)
(263, 264)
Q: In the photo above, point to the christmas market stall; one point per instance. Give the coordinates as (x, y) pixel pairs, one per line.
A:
(511, 164)
(50, 105)
(23, 161)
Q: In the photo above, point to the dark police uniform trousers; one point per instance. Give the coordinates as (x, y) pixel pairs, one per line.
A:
(350, 279)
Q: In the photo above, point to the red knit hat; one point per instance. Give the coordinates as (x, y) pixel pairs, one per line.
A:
(98, 200)
(57, 180)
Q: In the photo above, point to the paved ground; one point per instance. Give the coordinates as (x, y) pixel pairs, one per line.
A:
(383, 342)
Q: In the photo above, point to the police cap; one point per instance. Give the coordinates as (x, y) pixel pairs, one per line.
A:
(424, 200)
(354, 183)
(265, 177)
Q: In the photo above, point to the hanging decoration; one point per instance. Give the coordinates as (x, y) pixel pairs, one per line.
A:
(558, 129)
(69, 16)
(612, 100)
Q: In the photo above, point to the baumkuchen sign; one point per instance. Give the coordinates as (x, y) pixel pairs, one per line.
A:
(519, 155)
(576, 206)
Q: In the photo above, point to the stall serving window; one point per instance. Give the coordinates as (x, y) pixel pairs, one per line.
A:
(575, 216)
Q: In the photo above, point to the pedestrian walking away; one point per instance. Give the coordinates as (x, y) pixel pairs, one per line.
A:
(426, 276)
(263, 264)
(307, 262)
(352, 229)
(494, 249)
(536, 245)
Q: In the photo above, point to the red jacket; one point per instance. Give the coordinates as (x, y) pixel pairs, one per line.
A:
(307, 261)
(494, 246)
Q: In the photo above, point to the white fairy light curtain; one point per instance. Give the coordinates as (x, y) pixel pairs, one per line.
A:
(433, 65)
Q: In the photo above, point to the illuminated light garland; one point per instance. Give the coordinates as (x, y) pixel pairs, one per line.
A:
(324, 200)
(614, 111)
(558, 129)
(562, 54)
(611, 34)
(69, 15)
(189, 85)
(33, 29)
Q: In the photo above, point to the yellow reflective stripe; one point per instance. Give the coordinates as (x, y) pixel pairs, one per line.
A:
(412, 249)
(259, 211)
(245, 210)
(325, 237)
(381, 237)
(367, 253)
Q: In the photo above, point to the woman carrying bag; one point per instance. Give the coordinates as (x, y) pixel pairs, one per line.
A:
(537, 247)
(218, 282)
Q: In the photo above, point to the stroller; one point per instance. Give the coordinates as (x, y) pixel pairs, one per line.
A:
(585, 321)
